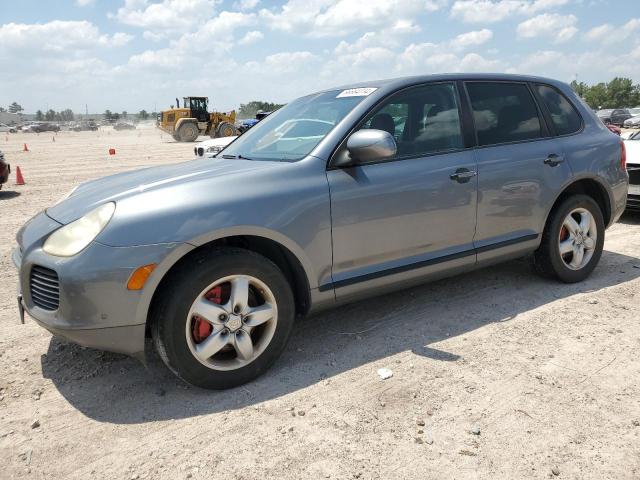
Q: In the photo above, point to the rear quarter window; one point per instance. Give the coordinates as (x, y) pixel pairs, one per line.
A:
(565, 117)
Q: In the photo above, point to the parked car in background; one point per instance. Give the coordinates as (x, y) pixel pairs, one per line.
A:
(89, 125)
(5, 170)
(634, 121)
(210, 148)
(124, 126)
(45, 127)
(328, 200)
(246, 124)
(632, 145)
(614, 116)
(7, 129)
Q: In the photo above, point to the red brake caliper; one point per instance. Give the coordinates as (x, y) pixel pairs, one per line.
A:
(200, 328)
(564, 233)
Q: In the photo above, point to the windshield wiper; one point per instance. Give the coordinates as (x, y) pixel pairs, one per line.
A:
(240, 157)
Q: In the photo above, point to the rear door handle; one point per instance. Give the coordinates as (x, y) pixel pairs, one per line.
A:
(553, 160)
(462, 175)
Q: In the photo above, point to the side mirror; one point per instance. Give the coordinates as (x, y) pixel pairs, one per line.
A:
(370, 145)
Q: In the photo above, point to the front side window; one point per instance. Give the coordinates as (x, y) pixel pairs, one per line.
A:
(292, 132)
(423, 120)
(503, 112)
(564, 116)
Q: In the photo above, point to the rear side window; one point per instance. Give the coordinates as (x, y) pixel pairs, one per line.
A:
(564, 116)
(503, 112)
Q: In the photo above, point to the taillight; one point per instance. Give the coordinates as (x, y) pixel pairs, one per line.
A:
(623, 155)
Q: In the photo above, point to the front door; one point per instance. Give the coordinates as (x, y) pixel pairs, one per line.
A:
(413, 214)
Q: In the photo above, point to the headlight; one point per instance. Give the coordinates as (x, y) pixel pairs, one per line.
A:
(74, 237)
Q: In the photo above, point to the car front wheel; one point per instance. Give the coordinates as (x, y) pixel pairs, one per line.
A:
(226, 320)
(572, 240)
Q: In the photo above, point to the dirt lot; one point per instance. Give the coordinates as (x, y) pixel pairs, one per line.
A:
(513, 376)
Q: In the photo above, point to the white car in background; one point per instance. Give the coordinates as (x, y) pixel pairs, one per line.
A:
(7, 129)
(632, 147)
(633, 122)
(210, 148)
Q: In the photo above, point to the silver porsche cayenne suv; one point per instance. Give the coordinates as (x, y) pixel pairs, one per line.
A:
(337, 196)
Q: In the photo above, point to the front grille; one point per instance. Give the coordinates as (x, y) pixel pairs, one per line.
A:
(634, 174)
(45, 288)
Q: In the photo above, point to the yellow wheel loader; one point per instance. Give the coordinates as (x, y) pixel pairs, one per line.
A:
(187, 123)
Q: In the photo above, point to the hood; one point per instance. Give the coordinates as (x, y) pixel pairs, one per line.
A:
(633, 151)
(128, 184)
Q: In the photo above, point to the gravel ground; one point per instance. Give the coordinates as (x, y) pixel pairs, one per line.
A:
(495, 374)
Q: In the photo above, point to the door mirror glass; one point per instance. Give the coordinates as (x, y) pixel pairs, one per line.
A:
(370, 145)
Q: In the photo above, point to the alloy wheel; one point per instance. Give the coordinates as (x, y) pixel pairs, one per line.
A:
(578, 238)
(231, 322)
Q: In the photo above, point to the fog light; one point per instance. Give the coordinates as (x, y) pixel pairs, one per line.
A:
(139, 277)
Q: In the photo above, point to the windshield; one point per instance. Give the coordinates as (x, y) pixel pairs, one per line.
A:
(290, 133)
(634, 111)
(634, 136)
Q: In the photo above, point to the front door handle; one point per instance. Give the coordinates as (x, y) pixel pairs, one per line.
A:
(553, 160)
(463, 175)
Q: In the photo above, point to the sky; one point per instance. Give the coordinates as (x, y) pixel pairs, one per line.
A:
(142, 54)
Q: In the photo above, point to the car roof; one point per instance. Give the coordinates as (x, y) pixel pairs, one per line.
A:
(395, 83)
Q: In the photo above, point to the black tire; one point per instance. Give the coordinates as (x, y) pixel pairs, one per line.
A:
(169, 315)
(226, 129)
(547, 260)
(188, 132)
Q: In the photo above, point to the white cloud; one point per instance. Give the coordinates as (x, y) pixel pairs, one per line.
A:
(118, 39)
(489, 11)
(476, 37)
(164, 58)
(246, 4)
(608, 34)
(216, 35)
(288, 62)
(320, 18)
(251, 37)
(57, 36)
(171, 15)
(559, 28)
(600, 32)
(84, 3)
(153, 36)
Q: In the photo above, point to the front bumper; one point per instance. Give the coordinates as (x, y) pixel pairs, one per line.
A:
(94, 309)
(633, 197)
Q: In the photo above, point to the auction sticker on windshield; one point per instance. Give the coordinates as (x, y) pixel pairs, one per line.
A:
(357, 92)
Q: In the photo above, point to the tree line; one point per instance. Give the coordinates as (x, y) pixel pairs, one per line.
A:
(618, 93)
(249, 110)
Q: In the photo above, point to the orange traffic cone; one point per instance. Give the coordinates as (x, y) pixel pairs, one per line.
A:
(112, 151)
(25, 148)
(19, 177)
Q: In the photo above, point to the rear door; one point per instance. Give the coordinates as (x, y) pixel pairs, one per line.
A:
(521, 166)
(413, 214)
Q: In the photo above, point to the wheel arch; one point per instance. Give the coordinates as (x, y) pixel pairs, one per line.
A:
(587, 186)
(288, 262)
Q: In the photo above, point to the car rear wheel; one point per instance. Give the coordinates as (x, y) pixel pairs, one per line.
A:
(227, 318)
(572, 240)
